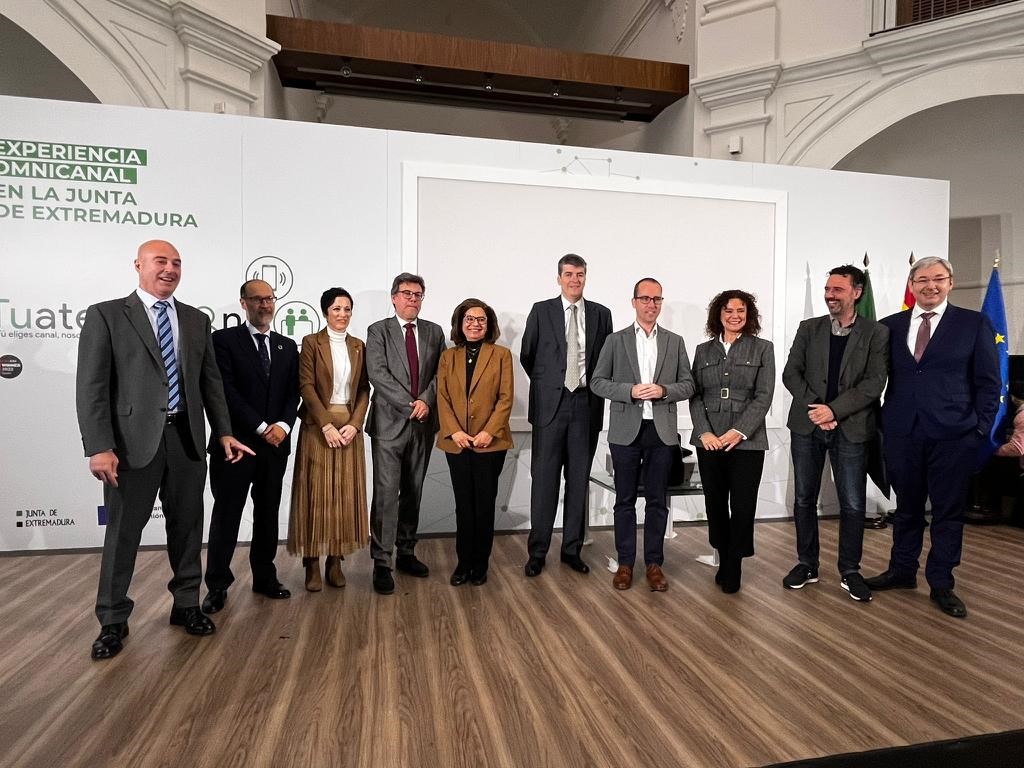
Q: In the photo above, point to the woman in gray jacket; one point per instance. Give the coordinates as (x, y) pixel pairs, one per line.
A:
(735, 377)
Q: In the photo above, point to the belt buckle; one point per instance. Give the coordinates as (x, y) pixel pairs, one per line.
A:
(724, 394)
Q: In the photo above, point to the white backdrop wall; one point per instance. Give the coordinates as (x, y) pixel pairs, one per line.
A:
(312, 206)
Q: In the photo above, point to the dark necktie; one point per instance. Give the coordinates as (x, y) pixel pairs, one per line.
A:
(924, 335)
(165, 338)
(414, 360)
(261, 345)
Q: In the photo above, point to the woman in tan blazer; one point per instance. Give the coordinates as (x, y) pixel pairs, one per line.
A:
(474, 402)
(328, 514)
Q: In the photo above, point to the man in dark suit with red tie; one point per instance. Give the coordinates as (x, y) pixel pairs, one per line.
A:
(940, 403)
(260, 369)
(561, 344)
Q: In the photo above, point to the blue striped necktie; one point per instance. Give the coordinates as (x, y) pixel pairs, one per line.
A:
(165, 338)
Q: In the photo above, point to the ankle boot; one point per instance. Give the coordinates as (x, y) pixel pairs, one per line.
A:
(332, 571)
(313, 581)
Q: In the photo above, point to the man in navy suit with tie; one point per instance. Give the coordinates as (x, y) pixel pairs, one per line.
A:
(561, 345)
(940, 403)
(260, 369)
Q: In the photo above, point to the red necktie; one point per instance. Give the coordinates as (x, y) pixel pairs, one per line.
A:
(924, 335)
(414, 360)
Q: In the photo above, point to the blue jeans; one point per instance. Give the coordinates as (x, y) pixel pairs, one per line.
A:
(849, 469)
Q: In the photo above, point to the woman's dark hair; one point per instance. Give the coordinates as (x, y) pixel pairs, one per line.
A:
(328, 297)
(460, 312)
(715, 328)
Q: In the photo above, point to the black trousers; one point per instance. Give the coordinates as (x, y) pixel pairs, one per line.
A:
(475, 482)
(646, 460)
(730, 480)
(261, 474)
(178, 473)
(566, 445)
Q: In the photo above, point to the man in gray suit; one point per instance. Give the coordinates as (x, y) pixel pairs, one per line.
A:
(644, 371)
(836, 372)
(146, 374)
(402, 353)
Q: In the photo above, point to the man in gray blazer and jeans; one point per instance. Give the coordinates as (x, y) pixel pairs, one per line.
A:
(644, 371)
(836, 372)
(401, 361)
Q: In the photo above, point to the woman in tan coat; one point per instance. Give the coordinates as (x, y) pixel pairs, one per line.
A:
(474, 402)
(328, 514)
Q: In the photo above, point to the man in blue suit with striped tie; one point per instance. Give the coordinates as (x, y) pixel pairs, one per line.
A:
(146, 375)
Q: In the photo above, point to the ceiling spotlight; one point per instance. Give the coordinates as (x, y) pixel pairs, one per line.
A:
(555, 91)
(419, 76)
(346, 71)
(618, 95)
(488, 84)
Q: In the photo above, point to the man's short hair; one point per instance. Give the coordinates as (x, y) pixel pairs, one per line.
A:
(572, 260)
(407, 277)
(930, 261)
(855, 274)
(245, 286)
(636, 286)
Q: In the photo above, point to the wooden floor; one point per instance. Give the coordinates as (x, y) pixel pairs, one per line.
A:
(559, 670)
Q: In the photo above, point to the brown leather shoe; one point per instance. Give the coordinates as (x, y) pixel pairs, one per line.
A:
(623, 578)
(313, 581)
(656, 579)
(332, 571)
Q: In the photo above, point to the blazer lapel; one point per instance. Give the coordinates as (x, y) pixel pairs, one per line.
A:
(629, 342)
(662, 352)
(590, 313)
(397, 334)
(945, 328)
(355, 359)
(137, 315)
(323, 352)
(900, 332)
(557, 314)
(486, 351)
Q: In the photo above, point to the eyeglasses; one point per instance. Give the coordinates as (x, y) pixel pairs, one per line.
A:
(930, 280)
(261, 299)
(411, 295)
(645, 300)
(470, 320)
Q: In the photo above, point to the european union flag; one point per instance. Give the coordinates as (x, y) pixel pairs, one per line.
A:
(995, 310)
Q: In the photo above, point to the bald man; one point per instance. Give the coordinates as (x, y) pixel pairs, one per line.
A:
(146, 375)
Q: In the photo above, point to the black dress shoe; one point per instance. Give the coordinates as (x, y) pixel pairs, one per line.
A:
(875, 523)
(383, 581)
(109, 644)
(193, 620)
(459, 577)
(950, 604)
(411, 565)
(576, 563)
(274, 590)
(890, 580)
(214, 600)
(534, 566)
(478, 578)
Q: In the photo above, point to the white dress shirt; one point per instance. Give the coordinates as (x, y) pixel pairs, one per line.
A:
(647, 357)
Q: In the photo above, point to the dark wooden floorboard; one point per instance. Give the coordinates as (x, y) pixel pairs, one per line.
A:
(559, 670)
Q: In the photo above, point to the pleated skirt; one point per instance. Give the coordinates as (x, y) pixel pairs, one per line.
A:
(328, 514)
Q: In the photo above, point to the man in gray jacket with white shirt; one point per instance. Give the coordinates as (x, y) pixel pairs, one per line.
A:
(644, 371)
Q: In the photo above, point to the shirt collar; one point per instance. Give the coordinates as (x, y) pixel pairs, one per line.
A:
(637, 330)
(917, 311)
(149, 299)
(566, 303)
(253, 330)
(402, 323)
